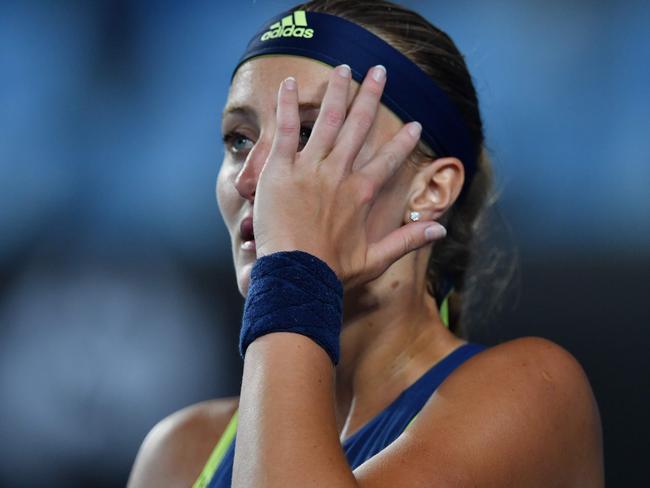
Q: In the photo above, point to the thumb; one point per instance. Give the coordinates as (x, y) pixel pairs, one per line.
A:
(402, 241)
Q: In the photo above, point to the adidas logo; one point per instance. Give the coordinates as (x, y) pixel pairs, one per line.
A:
(290, 26)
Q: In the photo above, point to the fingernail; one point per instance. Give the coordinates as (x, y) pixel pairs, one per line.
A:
(290, 83)
(343, 71)
(378, 73)
(415, 129)
(435, 231)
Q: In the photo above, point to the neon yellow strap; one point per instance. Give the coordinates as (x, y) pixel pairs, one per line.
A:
(218, 453)
(444, 309)
(222, 446)
(412, 420)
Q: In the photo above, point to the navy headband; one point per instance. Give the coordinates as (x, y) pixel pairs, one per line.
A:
(409, 93)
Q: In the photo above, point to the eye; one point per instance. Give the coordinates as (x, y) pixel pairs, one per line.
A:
(305, 132)
(237, 143)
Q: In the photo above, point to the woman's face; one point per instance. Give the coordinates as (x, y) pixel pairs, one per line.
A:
(248, 126)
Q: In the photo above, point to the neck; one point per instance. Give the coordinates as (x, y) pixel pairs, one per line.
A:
(391, 335)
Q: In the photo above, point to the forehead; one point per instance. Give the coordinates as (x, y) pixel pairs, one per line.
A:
(259, 79)
(256, 83)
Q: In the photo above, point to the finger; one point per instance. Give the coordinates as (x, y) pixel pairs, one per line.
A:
(287, 130)
(391, 156)
(361, 117)
(331, 115)
(400, 242)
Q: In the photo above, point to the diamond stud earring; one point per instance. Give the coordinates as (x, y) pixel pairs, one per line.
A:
(414, 216)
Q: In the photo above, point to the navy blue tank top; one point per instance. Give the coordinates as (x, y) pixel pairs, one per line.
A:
(386, 426)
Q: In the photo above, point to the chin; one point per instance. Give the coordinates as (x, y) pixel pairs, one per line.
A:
(244, 278)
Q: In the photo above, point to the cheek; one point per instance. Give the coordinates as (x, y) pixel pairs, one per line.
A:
(386, 126)
(230, 203)
(387, 214)
(228, 198)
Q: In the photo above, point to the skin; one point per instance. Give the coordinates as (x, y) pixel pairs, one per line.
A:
(391, 324)
(518, 414)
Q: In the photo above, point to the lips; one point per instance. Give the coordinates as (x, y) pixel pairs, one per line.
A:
(246, 230)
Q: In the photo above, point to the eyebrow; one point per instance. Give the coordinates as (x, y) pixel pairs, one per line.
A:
(248, 111)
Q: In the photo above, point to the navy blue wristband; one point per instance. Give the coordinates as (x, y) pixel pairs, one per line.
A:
(293, 291)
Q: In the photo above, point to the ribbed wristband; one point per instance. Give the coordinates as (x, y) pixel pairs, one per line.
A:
(293, 291)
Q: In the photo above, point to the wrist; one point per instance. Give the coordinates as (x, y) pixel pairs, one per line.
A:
(294, 291)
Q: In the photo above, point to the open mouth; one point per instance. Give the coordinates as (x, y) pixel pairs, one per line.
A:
(247, 235)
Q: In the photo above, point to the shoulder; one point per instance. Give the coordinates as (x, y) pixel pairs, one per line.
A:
(534, 364)
(532, 371)
(534, 413)
(175, 450)
(521, 413)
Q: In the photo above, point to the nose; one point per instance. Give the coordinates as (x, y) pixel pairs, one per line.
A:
(246, 180)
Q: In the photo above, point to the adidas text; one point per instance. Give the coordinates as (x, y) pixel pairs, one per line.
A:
(294, 25)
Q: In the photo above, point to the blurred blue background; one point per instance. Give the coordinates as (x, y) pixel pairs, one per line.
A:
(118, 303)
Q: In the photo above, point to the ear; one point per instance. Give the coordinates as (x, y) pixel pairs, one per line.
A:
(436, 187)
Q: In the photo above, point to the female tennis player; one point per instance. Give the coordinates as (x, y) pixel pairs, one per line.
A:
(353, 175)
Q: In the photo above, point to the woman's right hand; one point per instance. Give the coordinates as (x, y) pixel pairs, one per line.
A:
(314, 201)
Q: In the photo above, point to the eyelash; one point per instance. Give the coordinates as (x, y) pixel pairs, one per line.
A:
(230, 137)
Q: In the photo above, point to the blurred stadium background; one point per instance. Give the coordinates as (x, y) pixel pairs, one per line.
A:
(118, 303)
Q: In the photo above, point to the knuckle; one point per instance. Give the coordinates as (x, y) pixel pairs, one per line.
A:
(288, 127)
(406, 244)
(333, 117)
(364, 120)
(375, 89)
(392, 159)
(366, 190)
